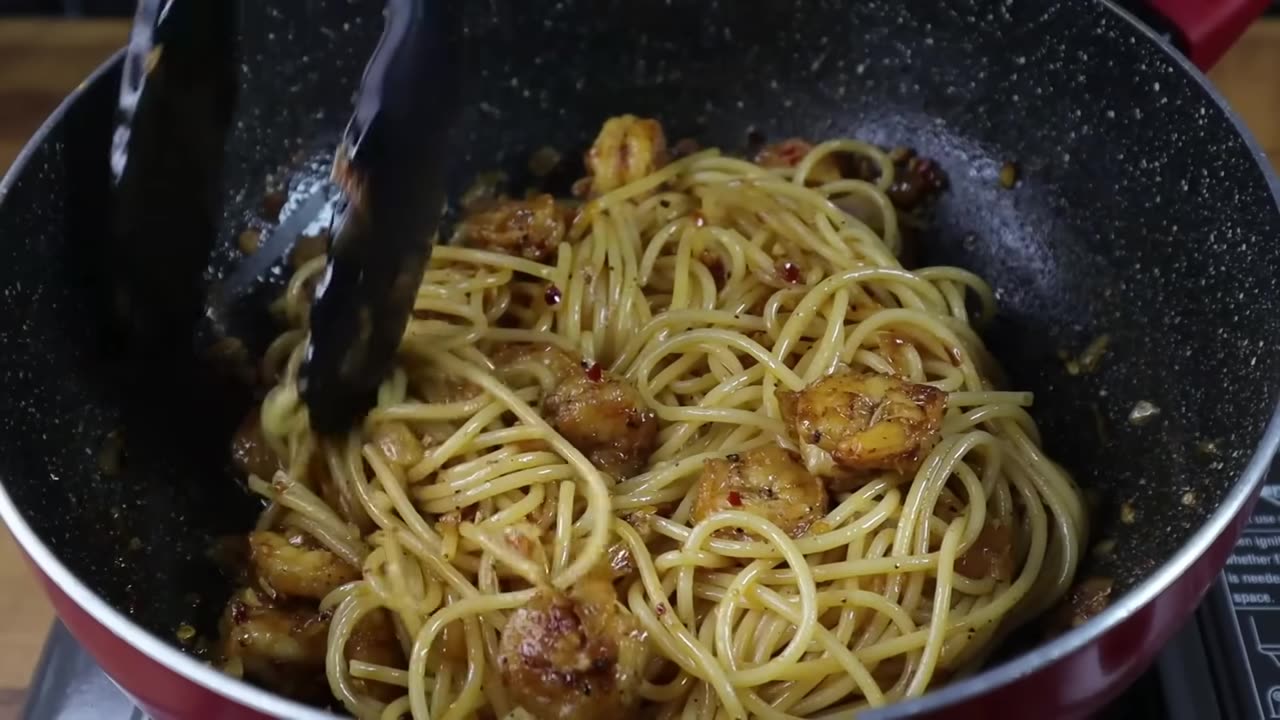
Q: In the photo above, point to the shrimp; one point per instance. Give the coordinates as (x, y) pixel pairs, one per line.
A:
(766, 481)
(294, 567)
(788, 153)
(604, 417)
(627, 149)
(530, 228)
(600, 414)
(550, 363)
(280, 648)
(575, 656)
(398, 443)
(856, 422)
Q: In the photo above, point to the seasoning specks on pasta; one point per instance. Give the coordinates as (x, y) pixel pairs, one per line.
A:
(693, 438)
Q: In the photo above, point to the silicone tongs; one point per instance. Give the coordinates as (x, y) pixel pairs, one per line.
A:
(177, 100)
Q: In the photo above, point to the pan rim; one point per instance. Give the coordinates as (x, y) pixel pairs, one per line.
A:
(260, 700)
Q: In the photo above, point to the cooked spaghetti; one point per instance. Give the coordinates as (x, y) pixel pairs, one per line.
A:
(695, 445)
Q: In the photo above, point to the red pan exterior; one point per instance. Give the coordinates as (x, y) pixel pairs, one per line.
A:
(161, 692)
(1209, 27)
(1081, 683)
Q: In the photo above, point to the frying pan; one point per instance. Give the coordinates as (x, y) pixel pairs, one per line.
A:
(1143, 211)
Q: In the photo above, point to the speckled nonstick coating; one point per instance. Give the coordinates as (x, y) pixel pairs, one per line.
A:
(1140, 212)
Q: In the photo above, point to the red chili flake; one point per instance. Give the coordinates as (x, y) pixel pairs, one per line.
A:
(553, 295)
(661, 609)
(595, 373)
(790, 272)
(735, 498)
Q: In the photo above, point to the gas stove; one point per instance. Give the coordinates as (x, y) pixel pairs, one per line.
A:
(1224, 665)
(69, 685)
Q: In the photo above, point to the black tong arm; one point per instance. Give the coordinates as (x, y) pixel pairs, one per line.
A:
(176, 105)
(390, 167)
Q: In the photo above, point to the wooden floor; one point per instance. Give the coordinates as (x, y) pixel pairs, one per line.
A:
(41, 61)
(1248, 77)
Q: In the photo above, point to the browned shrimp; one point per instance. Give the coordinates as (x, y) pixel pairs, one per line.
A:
(864, 421)
(373, 640)
(574, 657)
(788, 153)
(766, 481)
(557, 362)
(627, 149)
(295, 567)
(280, 648)
(604, 417)
(600, 414)
(398, 443)
(530, 228)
